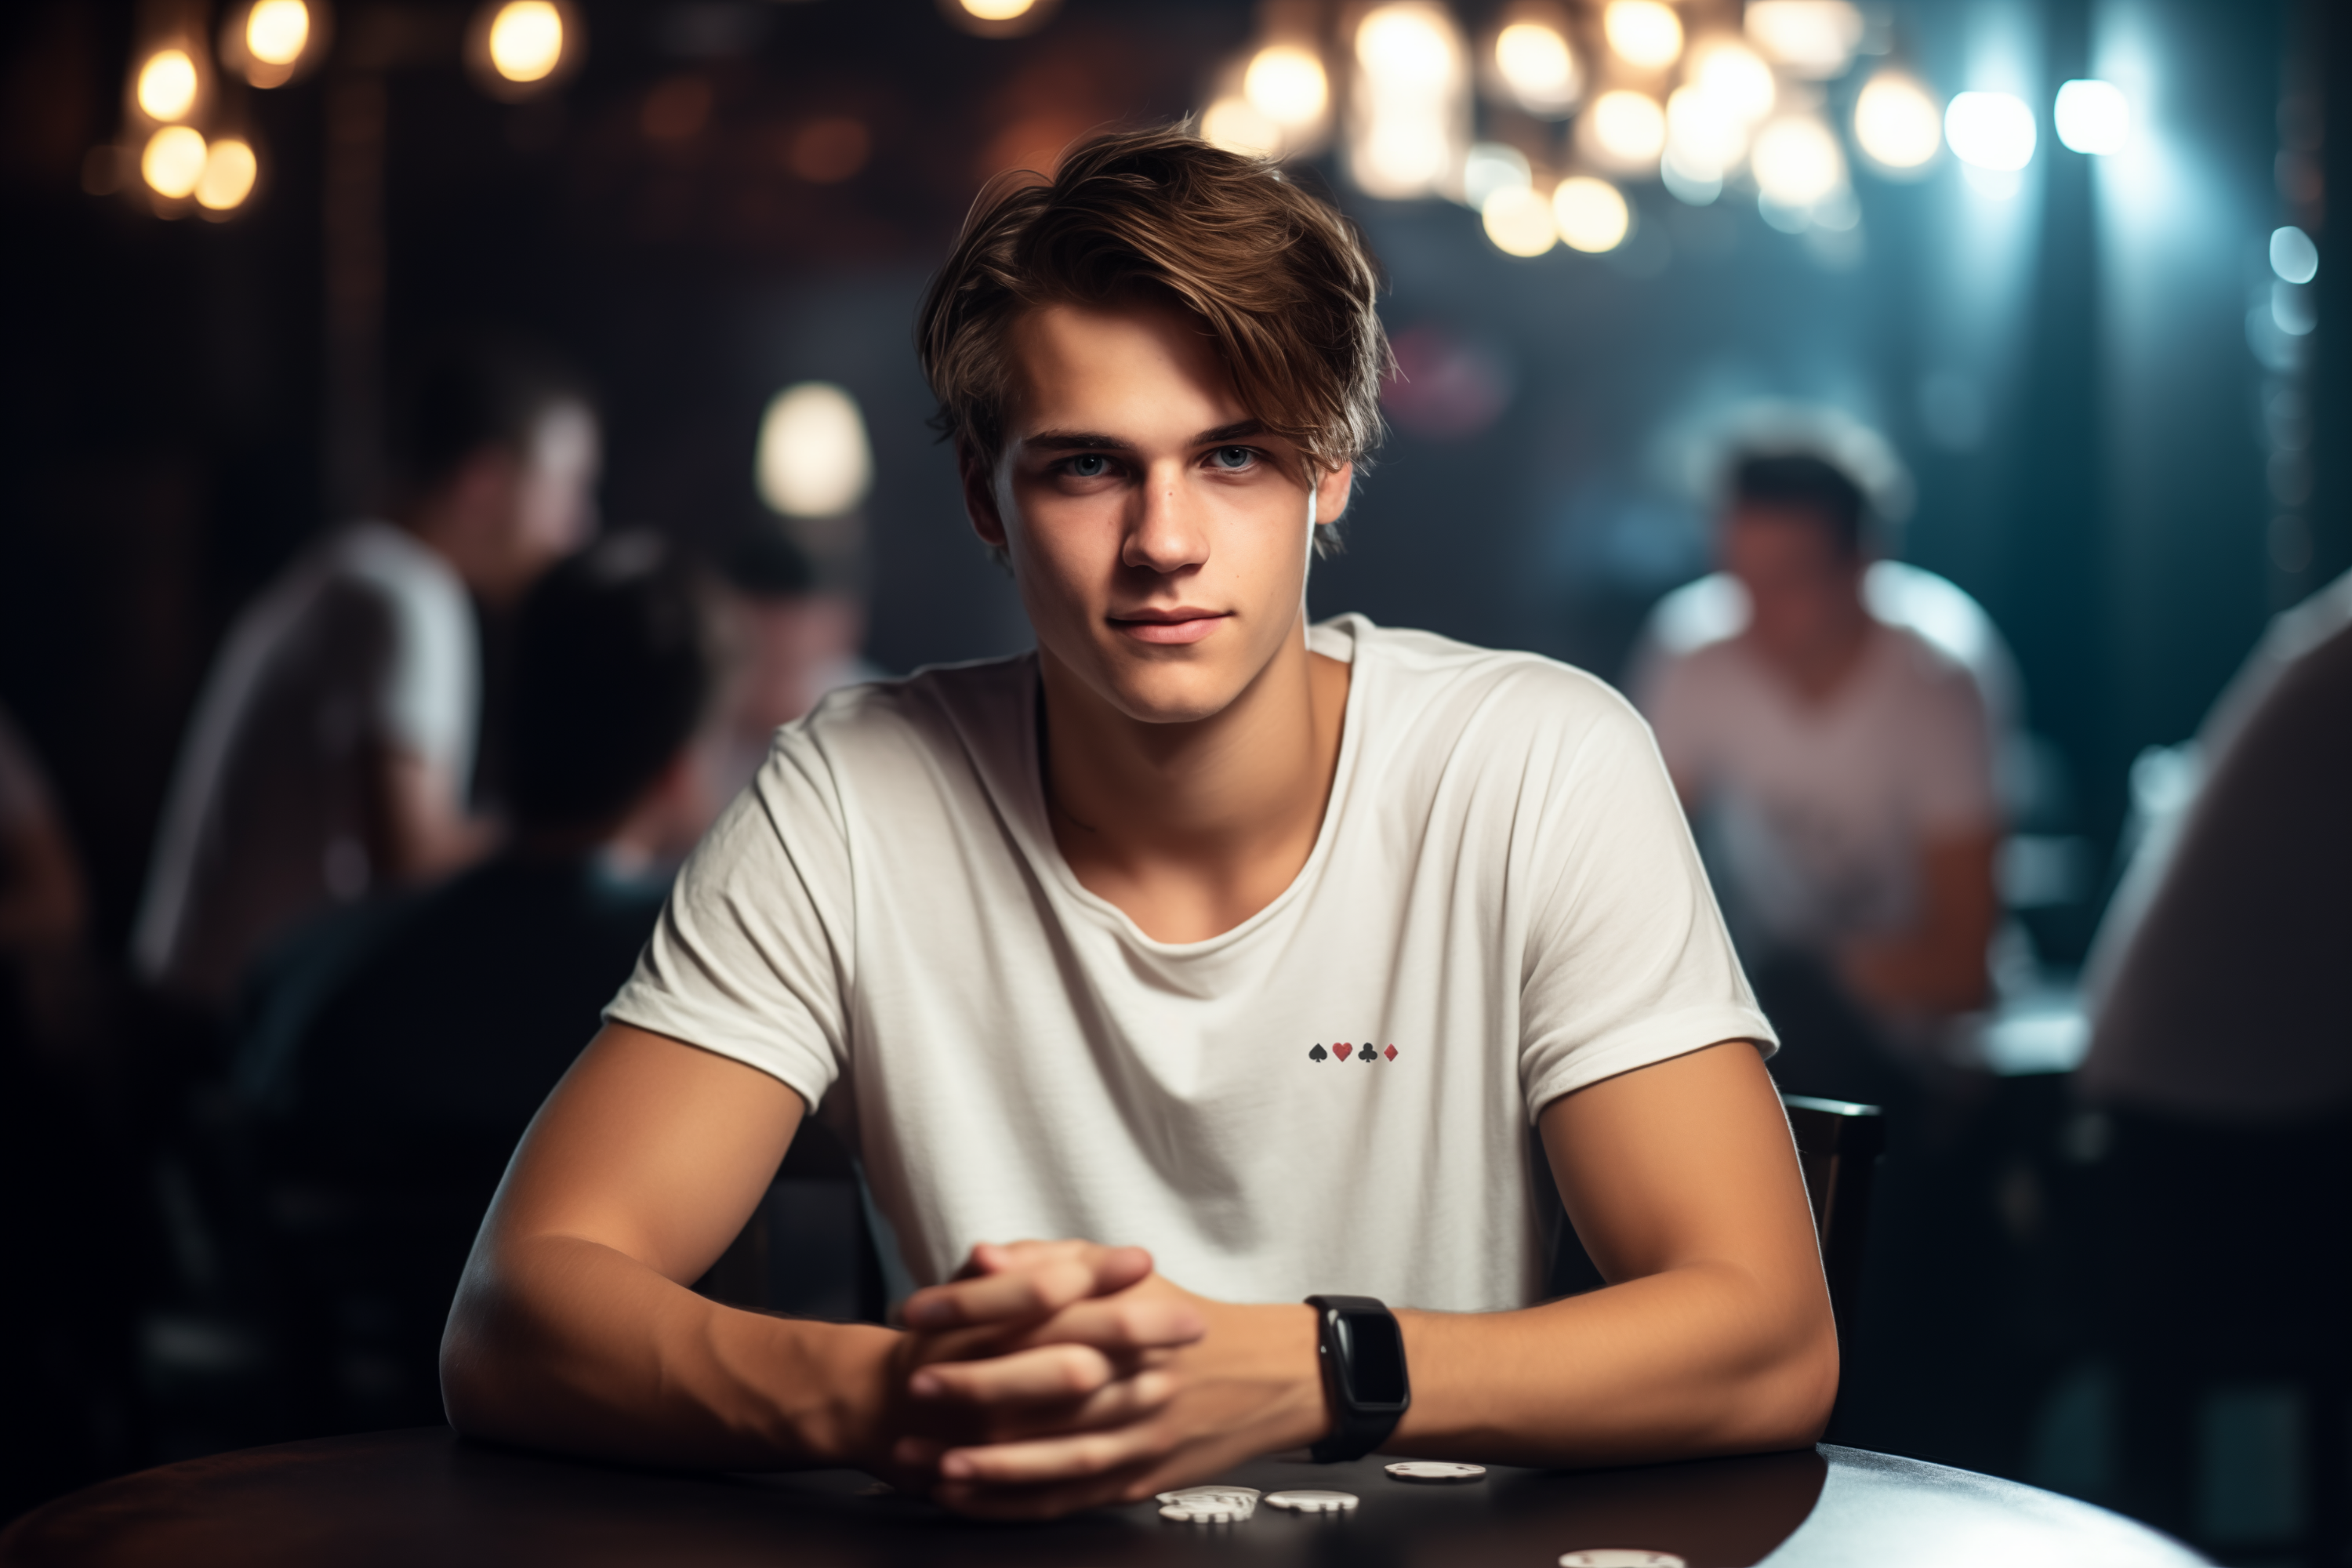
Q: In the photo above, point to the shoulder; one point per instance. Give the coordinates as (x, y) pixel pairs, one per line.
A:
(392, 560)
(1420, 687)
(886, 744)
(1921, 668)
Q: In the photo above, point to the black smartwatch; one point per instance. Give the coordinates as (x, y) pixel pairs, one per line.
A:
(1362, 1356)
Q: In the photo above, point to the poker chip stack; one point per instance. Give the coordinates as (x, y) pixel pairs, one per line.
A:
(1209, 1505)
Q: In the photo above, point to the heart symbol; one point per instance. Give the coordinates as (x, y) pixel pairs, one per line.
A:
(1341, 1050)
(1317, 1054)
(1390, 1053)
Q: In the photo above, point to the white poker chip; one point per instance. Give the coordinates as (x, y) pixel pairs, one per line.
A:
(1182, 1495)
(1436, 1470)
(1312, 1502)
(1207, 1510)
(1619, 1557)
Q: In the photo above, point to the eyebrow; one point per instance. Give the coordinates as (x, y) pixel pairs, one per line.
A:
(1093, 441)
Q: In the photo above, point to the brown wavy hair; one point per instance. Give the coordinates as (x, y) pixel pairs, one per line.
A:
(1278, 277)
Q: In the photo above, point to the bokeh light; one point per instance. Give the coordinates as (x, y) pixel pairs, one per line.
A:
(2092, 117)
(1493, 167)
(1287, 84)
(277, 31)
(1591, 213)
(229, 171)
(1736, 82)
(1411, 117)
(167, 84)
(1628, 129)
(2294, 256)
(1236, 125)
(1642, 33)
(1520, 222)
(997, 10)
(173, 162)
(1814, 39)
(1896, 123)
(1704, 137)
(526, 40)
(1991, 129)
(1796, 162)
(829, 150)
(1537, 66)
(814, 460)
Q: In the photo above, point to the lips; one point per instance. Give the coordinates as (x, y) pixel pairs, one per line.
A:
(1168, 628)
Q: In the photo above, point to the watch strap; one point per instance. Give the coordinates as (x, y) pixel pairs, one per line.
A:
(1359, 1425)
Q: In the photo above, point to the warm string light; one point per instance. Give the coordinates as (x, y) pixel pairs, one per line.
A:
(167, 84)
(526, 40)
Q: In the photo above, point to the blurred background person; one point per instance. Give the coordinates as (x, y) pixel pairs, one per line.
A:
(2222, 1057)
(793, 637)
(333, 748)
(1840, 767)
(395, 1051)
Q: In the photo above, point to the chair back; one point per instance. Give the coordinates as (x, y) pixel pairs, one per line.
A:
(1838, 1146)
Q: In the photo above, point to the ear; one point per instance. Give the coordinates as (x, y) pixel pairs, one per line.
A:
(1331, 492)
(979, 496)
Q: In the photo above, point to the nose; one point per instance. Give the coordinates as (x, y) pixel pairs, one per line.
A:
(1164, 532)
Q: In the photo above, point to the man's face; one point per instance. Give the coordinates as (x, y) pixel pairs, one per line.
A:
(1158, 533)
(1802, 591)
(555, 488)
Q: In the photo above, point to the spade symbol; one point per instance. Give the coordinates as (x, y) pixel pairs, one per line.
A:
(1317, 1054)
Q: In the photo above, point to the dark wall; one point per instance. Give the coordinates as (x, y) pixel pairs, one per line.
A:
(2066, 372)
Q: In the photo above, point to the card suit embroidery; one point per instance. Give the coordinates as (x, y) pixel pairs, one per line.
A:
(1341, 1050)
(1390, 1053)
(1317, 1054)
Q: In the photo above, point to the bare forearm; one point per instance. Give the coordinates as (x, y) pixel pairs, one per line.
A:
(560, 1342)
(1702, 1359)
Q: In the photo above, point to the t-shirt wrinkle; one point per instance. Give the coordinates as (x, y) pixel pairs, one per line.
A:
(1332, 1096)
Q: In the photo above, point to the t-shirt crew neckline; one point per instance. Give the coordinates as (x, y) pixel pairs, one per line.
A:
(1035, 827)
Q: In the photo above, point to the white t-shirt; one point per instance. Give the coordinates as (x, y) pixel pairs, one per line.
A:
(1819, 810)
(1502, 903)
(367, 642)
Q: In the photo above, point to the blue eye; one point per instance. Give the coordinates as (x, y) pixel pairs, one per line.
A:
(1234, 458)
(1089, 465)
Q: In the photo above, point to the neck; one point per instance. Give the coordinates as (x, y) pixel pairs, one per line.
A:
(1820, 664)
(1192, 828)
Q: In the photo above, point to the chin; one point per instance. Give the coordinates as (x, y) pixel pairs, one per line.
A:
(1171, 694)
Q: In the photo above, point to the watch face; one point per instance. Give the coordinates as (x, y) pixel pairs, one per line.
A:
(1374, 1357)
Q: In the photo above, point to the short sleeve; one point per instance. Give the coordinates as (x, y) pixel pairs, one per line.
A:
(1950, 757)
(1627, 961)
(752, 956)
(427, 693)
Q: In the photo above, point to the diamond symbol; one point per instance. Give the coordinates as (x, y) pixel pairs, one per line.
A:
(1390, 1053)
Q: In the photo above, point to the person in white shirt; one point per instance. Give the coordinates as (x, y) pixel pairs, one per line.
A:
(1195, 961)
(333, 748)
(1841, 767)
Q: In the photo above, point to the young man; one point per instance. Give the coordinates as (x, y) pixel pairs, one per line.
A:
(332, 750)
(1844, 768)
(1235, 953)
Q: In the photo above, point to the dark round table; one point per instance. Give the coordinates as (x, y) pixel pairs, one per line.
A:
(423, 1497)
